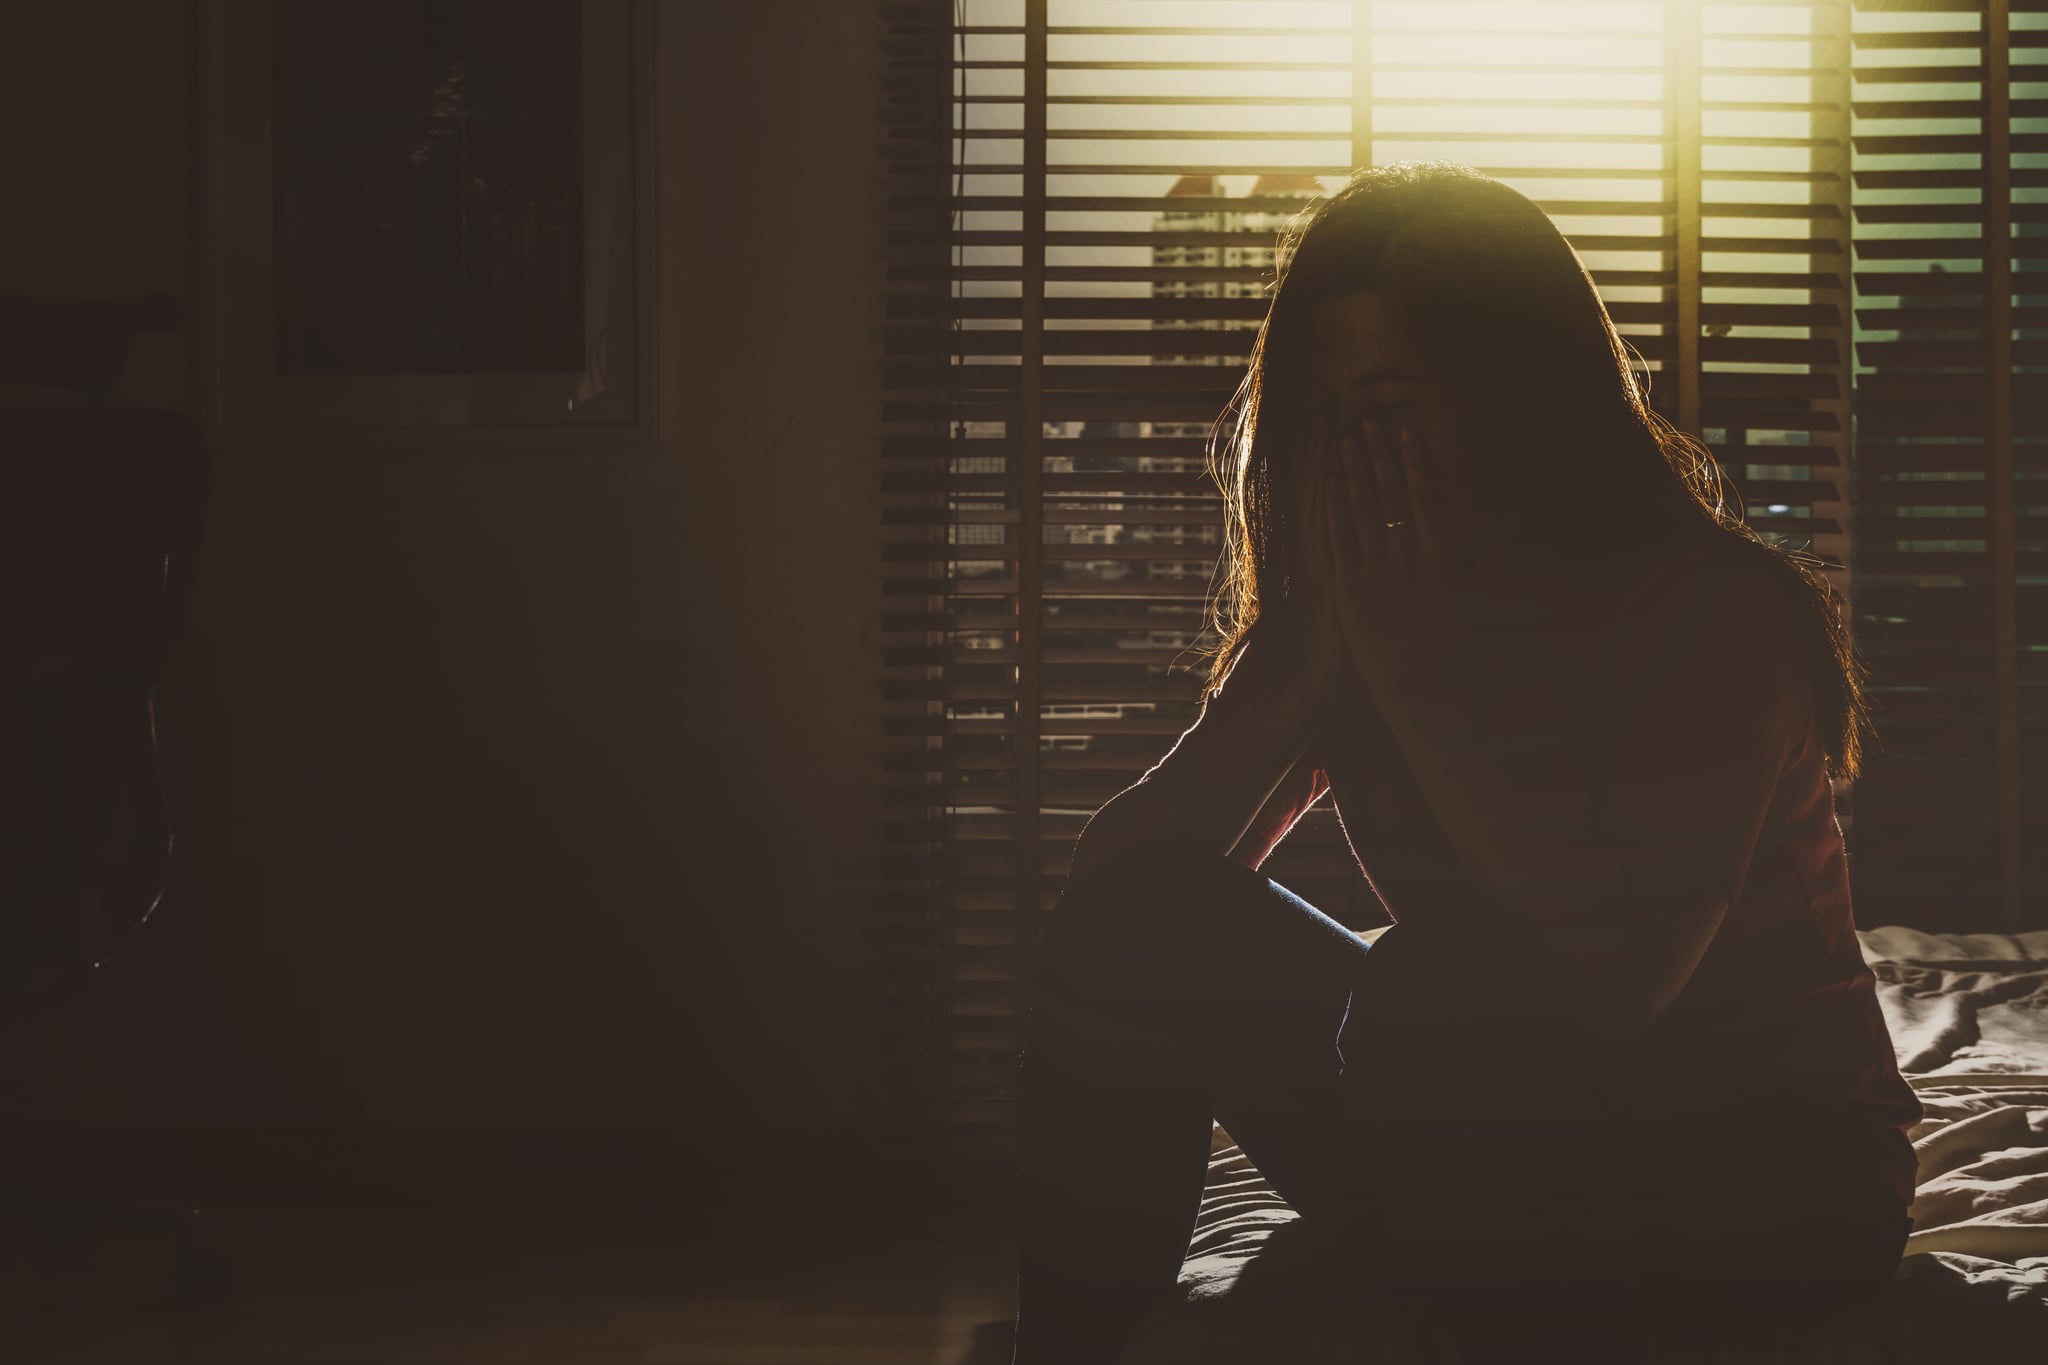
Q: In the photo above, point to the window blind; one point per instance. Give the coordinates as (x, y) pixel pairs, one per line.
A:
(1087, 199)
(1950, 175)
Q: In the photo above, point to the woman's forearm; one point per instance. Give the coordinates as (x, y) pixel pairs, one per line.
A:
(1214, 782)
(1300, 789)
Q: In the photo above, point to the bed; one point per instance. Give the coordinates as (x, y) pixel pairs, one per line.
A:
(1969, 1018)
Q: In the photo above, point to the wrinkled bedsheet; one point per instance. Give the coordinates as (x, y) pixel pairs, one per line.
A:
(1968, 1015)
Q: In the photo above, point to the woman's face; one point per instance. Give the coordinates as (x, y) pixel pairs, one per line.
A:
(1363, 368)
(1363, 371)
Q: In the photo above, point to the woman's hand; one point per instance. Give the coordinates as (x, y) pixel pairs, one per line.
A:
(1408, 601)
(1307, 617)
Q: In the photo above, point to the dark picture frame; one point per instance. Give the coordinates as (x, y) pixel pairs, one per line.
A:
(431, 215)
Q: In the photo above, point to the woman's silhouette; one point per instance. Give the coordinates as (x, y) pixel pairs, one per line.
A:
(1618, 1065)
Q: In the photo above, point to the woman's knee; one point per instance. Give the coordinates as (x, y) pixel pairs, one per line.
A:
(1153, 884)
(1145, 906)
(1160, 859)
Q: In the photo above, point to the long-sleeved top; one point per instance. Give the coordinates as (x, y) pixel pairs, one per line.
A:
(1780, 1017)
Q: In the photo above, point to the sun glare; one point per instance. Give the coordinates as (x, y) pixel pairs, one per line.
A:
(1571, 103)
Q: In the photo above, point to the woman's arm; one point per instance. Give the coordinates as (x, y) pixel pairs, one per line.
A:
(1217, 780)
(1301, 788)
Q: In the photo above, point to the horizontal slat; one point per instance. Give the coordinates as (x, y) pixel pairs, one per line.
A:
(1920, 249)
(1878, 493)
(1290, 65)
(1948, 319)
(1766, 314)
(1188, 31)
(1795, 493)
(1767, 350)
(1918, 283)
(1819, 454)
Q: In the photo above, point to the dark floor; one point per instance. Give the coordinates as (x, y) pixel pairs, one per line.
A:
(425, 1288)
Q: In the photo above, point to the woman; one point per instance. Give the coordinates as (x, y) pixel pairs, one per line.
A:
(1618, 1065)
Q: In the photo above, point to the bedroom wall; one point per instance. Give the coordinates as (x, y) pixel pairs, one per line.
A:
(528, 797)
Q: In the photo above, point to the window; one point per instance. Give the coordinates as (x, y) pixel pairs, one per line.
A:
(1089, 195)
(1950, 166)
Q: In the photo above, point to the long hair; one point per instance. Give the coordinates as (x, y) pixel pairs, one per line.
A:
(1496, 299)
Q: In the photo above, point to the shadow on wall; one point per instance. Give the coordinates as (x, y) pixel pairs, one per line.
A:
(526, 796)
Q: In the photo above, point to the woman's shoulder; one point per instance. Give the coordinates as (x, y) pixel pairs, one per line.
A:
(1757, 594)
(1721, 607)
(1723, 576)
